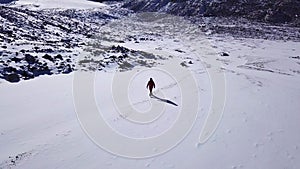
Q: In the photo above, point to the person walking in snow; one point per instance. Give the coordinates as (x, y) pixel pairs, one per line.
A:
(151, 85)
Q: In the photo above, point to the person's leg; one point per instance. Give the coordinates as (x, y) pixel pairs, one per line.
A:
(150, 88)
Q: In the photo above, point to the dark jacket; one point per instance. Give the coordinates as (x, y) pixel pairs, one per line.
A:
(151, 84)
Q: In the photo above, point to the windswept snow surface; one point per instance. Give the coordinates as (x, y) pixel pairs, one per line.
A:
(39, 127)
(66, 4)
(258, 129)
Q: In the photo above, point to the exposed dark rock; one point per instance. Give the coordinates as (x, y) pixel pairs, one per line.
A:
(118, 48)
(15, 59)
(67, 69)
(25, 74)
(48, 57)
(224, 54)
(14, 78)
(48, 50)
(66, 40)
(295, 57)
(284, 11)
(30, 59)
(40, 70)
(6, 1)
(47, 31)
(9, 69)
(183, 64)
(274, 11)
(180, 51)
(58, 57)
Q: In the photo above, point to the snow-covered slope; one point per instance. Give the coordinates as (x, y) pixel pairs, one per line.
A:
(66, 4)
(42, 125)
(39, 128)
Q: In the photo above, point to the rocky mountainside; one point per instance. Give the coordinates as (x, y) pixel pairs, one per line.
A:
(34, 43)
(272, 11)
(49, 41)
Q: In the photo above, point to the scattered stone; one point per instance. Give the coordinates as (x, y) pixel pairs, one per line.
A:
(224, 54)
(118, 49)
(183, 64)
(42, 70)
(67, 69)
(48, 50)
(123, 56)
(25, 74)
(58, 57)
(48, 57)
(16, 60)
(180, 51)
(125, 66)
(66, 40)
(295, 57)
(113, 57)
(89, 35)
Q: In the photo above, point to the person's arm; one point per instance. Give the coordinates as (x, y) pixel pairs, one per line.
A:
(147, 85)
(153, 84)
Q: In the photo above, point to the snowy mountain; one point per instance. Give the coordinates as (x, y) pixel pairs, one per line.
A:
(274, 11)
(73, 78)
(39, 42)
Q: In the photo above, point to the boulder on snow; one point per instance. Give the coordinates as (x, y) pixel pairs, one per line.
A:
(13, 78)
(15, 59)
(48, 57)
(30, 59)
(58, 57)
(224, 54)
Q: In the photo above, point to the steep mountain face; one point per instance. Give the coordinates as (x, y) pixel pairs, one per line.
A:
(177, 7)
(273, 11)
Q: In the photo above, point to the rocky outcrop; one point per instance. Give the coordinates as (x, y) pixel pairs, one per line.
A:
(42, 42)
(272, 11)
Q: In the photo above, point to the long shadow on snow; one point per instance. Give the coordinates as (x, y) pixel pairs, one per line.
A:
(163, 100)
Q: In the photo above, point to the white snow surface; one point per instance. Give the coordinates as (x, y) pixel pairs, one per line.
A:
(66, 4)
(39, 126)
(258, 129)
